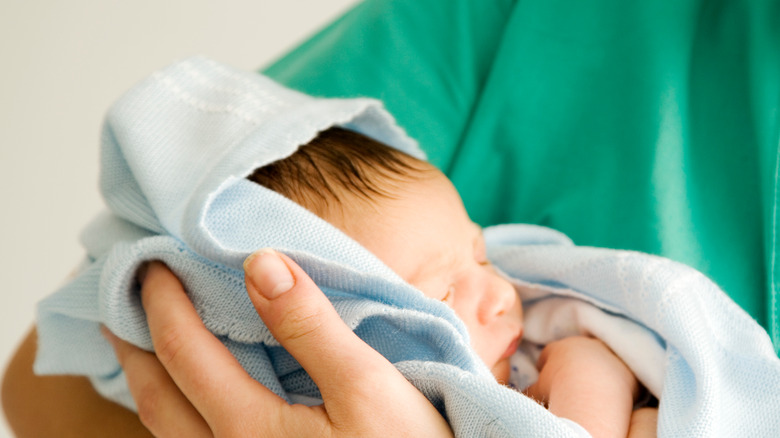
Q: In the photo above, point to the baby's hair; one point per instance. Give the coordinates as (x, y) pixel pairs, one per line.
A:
(337, 162)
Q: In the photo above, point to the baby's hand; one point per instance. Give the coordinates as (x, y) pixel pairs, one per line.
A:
(581, 379)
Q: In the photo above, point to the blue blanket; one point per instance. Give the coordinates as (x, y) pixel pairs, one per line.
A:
(175, 151)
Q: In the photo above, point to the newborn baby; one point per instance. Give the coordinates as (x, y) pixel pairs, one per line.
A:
(408, 214)
(386, 238)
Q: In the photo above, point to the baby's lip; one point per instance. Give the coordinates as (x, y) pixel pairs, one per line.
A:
(512, 347)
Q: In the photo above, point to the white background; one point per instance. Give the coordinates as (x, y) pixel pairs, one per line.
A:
(62, 63)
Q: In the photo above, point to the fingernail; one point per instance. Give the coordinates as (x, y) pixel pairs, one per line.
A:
(269, 275)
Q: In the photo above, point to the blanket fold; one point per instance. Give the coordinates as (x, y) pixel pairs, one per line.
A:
(175, 153)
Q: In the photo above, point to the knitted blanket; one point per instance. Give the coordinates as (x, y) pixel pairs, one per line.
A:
(175, 151)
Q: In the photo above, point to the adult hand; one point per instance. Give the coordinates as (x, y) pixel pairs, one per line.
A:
(194, 387)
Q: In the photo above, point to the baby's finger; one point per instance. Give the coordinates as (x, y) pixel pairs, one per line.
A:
(644, 423)
(200, 365)
(162, 408)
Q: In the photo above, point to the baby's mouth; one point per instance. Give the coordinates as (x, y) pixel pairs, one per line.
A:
(512, 347)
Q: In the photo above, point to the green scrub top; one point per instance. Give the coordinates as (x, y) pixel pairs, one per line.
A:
(650, 126)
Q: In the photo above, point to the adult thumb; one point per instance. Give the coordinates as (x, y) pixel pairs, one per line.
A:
(302, 319)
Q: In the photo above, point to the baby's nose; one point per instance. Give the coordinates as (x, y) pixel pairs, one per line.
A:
(498, 298)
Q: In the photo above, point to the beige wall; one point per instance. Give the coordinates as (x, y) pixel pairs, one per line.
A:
(62, 63)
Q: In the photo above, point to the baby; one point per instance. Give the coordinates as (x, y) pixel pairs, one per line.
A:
(408, 214)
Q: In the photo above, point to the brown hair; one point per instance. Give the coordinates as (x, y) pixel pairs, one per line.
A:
(336, 162)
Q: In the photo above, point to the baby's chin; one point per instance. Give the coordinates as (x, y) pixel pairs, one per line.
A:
(501, 371)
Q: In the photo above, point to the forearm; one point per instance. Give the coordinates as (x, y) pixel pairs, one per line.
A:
(62, 406)
(603, 407)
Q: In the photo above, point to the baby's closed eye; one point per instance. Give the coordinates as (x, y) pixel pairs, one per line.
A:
(449, 295)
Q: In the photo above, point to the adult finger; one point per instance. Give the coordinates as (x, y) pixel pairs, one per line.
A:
(358, 385)
(302, 319)
(200, 365)
(162, 408)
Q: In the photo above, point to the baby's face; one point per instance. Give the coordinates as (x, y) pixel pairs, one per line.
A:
(425, 235)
